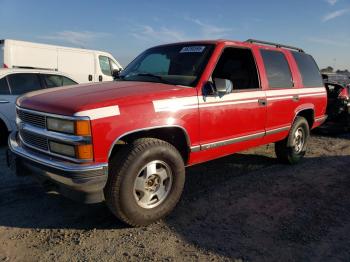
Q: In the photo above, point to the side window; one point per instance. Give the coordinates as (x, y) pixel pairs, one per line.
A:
(23, 83)
(104, 65)
(67, 81)
(155, 64)
(4, 89)
(114, 66)
(53, 80)
(238, 65)
(277, 69)
(308, 69)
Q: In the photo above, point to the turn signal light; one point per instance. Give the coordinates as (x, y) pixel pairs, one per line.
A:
(84, 152)
(82, 128)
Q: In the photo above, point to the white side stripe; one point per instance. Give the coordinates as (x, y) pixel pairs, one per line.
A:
(101, 112)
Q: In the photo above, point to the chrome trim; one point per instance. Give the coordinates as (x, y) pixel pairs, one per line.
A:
(232, 141)
(55, 136)
(57, 164)
(53, 115)
(321, 119)
(147, 129)
(4, 102)
(49, 153)
(195, 148)
(277, 130)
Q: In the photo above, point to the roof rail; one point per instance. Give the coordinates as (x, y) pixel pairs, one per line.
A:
(253, 41)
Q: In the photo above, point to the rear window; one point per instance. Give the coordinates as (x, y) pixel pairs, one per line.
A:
(308, 69)
(277, 69)
(4, 89)
(57, 80)
(23, 83)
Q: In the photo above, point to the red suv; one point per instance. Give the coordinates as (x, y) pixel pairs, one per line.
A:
(128, 142)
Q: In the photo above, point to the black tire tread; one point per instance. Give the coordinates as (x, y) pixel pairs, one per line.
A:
(119, 163)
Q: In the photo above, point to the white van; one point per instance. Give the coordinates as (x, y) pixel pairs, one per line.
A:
(82, 64)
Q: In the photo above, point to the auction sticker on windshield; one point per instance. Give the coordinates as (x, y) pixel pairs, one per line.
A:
(192, 49)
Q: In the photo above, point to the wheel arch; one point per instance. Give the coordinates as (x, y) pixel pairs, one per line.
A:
(308, 112)
(175, 135)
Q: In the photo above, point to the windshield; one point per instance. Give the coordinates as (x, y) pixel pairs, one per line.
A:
(179, 64)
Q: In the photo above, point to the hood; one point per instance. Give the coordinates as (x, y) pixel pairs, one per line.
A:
(71, 99)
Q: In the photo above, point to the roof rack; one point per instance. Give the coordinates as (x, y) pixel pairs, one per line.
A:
(253, 41)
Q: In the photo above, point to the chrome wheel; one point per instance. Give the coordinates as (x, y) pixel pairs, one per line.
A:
(153, 184)
(299, 140)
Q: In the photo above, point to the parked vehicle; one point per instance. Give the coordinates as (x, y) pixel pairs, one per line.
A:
(15, 82)
(338, 106)
(82, 64)
(336, 78)
(176, 105)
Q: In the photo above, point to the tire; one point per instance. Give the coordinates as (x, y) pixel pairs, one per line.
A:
(139, 170)
(292, 149)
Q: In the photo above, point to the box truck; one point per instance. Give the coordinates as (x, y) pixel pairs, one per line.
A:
(82, 64)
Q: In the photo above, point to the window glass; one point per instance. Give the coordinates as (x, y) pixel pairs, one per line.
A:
(155, 63)
(23, 83)
(104, 65)
(177, 64)
(308, 69)
(67, 81)
(53, 80)
(238, 65)
(114, 66)
(277, 69)
(4, 89)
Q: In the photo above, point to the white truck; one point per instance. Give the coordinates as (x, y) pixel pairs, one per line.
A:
(82, 64)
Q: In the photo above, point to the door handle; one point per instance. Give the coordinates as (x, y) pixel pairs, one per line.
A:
(296, 98)
(90, 77)
(4, 102)
(262, 101)
(100, 78)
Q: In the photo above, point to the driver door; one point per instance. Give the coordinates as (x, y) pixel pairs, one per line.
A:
(235, 120)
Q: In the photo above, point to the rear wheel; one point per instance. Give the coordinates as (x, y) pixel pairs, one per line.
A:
(145, 182)
(293, 148)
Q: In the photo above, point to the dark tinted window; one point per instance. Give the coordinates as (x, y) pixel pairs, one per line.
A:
(238, 65)
(23, 83)
(67, 81)
(277, 69)
(53, 80)
(309, 71)
(4, 89)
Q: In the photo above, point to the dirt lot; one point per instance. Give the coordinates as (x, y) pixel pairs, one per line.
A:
(245, 207)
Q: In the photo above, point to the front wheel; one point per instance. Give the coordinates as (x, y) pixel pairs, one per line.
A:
(145, 182)
(292, 149)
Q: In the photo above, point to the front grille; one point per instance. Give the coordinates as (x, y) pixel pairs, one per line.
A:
(34, 140)
(31, 118)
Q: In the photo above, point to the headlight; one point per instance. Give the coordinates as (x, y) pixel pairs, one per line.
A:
(79, 127)
(62, 149)
(60, 125)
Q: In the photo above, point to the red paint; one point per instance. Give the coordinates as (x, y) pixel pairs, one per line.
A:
(203, 124)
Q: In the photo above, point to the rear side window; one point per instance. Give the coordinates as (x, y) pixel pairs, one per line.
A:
(308, 69)
(53, 80)
(67, 81)
(277, 69)
(23, 83)
(4, 89)
(57, 80)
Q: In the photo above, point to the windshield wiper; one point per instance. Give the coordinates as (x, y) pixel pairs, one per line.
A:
(155, 76)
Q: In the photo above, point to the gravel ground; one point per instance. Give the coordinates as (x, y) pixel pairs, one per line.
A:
(244, 207)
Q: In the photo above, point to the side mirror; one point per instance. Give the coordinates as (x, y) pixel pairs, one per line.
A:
(223, 86)
(115, 73)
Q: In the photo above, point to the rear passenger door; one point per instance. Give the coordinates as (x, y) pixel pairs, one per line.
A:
(20, 84)
(282, 98)
(6, 103)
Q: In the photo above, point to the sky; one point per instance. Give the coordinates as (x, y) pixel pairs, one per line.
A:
(126, 28)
